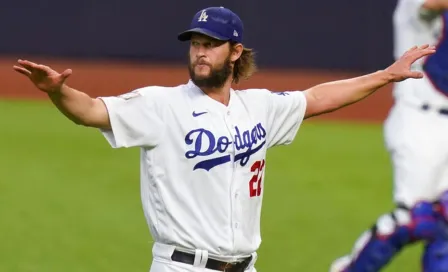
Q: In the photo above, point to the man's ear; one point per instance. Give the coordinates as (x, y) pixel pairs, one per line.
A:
(237, 50)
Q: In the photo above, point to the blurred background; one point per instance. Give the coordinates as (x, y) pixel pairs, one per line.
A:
(68, 202)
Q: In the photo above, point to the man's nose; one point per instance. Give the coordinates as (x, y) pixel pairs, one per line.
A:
(200, 52)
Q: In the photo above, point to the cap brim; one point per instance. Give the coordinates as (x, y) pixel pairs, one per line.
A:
(186, 35)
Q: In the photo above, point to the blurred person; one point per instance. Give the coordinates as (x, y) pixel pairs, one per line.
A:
(203, 144)
(415, 133)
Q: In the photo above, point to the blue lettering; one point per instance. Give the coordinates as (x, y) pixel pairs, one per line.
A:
(204, 144)
(238, 141)
(223, 144)
(261, 131)
(200, 134)
(254, 135)
(245, 156)
(209, 164)
(247, 140)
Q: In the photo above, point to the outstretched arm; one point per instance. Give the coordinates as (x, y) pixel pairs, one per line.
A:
(79, 107)
(330, 96)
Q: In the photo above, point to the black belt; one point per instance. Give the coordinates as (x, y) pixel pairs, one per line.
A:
(443, 111)
(188, 258)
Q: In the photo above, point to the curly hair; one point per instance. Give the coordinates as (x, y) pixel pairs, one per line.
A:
(245, 66)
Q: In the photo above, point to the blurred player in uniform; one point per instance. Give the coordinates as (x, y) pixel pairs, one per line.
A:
(416, 135)
(203, 144)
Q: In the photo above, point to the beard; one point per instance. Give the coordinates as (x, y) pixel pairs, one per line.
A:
(216, 78)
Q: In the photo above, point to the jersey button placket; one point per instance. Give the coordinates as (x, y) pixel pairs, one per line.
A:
(236, 223)
(233, 196)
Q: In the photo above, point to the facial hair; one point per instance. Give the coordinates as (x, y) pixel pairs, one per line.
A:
(217, 77)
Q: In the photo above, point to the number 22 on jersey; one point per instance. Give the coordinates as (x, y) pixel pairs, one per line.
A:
(256, 180)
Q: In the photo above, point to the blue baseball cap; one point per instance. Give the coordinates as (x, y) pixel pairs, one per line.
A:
(216, 22)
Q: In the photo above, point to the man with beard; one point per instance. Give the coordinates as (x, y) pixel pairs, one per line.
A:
(203, 144)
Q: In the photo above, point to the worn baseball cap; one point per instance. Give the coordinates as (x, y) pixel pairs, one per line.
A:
(217, 22)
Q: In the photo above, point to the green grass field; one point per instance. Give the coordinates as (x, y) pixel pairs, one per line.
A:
(68, 202)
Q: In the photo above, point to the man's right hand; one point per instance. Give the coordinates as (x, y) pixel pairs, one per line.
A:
(43, 77)
(76, 105)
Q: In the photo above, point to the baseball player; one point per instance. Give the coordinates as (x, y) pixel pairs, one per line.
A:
(203, 144)
(415, 135)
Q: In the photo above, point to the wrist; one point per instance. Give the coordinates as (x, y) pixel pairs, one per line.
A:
(59, 90)
(385, 76)
(56, 92)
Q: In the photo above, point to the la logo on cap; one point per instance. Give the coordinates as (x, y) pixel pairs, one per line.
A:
(203, 17)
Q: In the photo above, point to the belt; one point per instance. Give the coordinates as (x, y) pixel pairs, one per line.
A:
(212, 264)
(443, 111)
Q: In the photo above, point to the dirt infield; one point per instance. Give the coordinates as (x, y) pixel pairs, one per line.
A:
(111, 78)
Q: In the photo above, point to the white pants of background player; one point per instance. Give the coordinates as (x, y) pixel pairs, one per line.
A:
(417, 140)
(162, 261)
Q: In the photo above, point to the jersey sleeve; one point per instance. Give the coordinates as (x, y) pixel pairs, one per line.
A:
(135, 118)
(286, 111)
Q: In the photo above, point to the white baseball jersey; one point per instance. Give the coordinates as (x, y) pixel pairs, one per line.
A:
(202, 163)
(414, 25)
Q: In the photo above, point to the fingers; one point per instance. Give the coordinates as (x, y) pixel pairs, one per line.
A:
(66, 73)
(31, 66)
(427, 47)
(414, 48)
(28, 64)
(401, 68)
(415, 74)
(424, 52)
(417, 52)
(420, 51)
(21, 70)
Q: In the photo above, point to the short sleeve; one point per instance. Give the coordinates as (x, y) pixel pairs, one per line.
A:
(135, 118)
(285, 115)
